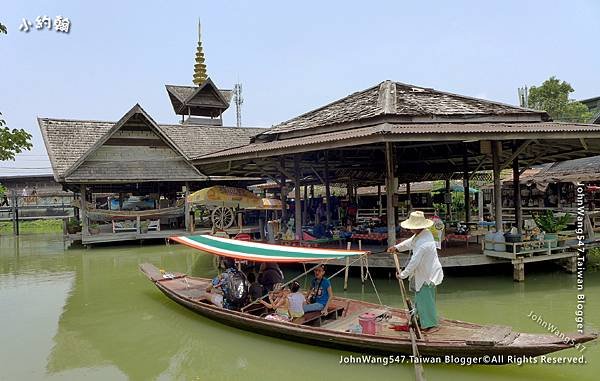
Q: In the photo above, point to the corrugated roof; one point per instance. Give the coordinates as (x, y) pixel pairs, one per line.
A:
(398, 99)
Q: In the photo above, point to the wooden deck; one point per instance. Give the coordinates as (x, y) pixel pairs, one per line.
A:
(89, 239)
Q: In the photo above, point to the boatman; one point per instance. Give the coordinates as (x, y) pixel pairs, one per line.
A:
(424, 269)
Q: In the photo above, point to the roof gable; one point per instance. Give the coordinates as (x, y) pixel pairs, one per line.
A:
(201, 100)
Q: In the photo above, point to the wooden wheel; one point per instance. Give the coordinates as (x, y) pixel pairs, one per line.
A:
(222, 217)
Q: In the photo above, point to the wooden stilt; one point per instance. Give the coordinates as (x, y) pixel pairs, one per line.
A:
(186, 208)
(346, 270)
(305, 206)
(518, 271)
(83, 211)
(572, 264)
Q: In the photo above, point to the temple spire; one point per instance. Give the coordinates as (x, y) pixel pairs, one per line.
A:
(200, 67)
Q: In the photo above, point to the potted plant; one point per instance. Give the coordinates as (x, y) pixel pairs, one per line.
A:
(94, 229)
(144, 227)
(73, 226)
(551, 225)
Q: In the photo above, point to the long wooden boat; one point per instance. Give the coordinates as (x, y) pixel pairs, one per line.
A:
(338, 328)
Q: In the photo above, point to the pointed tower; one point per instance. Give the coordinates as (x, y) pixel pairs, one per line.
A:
(203, 103)
(200, 67)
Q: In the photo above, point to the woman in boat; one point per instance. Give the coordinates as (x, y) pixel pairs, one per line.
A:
(320, 292)
(278, 301)
(296, 301)
(424, 268)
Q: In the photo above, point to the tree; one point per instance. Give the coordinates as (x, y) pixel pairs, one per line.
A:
(553, 97)
(12, 141)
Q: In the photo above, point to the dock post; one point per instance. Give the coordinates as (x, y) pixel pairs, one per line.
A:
(496, 151)
(466, 186)
(297, 199)
(346, 270)
(83, 212)
(517, 192)
(518, 271)
(572, 264)
(328, 191)
(186, 207)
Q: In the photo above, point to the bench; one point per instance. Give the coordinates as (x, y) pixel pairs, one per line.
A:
(315, 318)
(124, 225)
(154, 225)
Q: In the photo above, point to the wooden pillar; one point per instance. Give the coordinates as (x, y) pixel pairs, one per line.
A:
(447, 197)
(83, 210)
(380, 200)
(347, 266)
(283, 195)
(305, 205)
(518, 270)
(298, 202)
(261, 228)
(496, 150)
(186, 208)
(466, 186)
(327, 190)
(389, 190)
(408, 200)
(517, 192)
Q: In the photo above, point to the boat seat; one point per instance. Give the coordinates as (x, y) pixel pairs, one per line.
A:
(315, 318)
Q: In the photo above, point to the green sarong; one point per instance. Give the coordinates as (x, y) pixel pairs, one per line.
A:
(425, 304)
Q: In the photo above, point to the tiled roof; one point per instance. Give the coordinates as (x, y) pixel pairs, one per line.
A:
(400, 100)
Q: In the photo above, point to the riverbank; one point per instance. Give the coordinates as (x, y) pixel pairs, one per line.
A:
(35, 226)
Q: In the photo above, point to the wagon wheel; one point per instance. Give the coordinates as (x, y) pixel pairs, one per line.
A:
(223, 217)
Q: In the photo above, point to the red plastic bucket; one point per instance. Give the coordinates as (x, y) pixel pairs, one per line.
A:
(367, 323)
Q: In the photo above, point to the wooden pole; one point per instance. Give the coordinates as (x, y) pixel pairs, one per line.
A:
(283, 195)
(362, 269)
(517, 192)
(305, 205)
(448, 204)
(408, 200)
(496, 148)
(83, 210)
(298, 201)
(327, 190)
(186, 208)
(380, 200)
(466, 186)
(347, 269)
(389, 190)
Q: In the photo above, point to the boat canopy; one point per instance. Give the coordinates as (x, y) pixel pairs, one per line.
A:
(262, 252)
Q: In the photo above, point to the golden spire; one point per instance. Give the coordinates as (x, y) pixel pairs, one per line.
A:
(200, 67)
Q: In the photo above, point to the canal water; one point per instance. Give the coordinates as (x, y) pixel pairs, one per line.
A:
(89, 314)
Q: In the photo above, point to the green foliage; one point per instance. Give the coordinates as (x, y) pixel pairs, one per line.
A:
(3, 29)
(553, 97)
(549, 223)
(36, 226)
(593, 259)
(12, 141)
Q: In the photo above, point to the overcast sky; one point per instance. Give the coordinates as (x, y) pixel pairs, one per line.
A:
(290, 57)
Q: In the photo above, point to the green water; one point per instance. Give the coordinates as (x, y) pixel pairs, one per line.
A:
(89, 314)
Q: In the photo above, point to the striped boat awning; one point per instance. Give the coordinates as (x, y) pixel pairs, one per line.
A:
(261, 252)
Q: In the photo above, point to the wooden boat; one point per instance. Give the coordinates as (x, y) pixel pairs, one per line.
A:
(336, 329)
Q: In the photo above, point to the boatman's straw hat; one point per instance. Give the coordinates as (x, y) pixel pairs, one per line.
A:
(416, 220)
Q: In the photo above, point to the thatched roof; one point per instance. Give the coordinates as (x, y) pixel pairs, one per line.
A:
(70, 142)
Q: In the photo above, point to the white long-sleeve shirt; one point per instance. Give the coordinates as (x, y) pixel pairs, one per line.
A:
(424, 264)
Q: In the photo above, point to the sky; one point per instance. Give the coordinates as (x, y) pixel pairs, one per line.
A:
(290, 57)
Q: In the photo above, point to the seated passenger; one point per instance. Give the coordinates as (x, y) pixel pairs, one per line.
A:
(256, 290)
(269, 275)
(228, 289)
(279, 302)
(296, 301)
(320, 292)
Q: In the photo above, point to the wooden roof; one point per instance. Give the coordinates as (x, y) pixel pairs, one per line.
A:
(70, 142)
(400, 102)
(203, 100)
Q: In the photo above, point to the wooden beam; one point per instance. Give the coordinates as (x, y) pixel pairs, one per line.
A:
(516, 152)
(389, 190)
